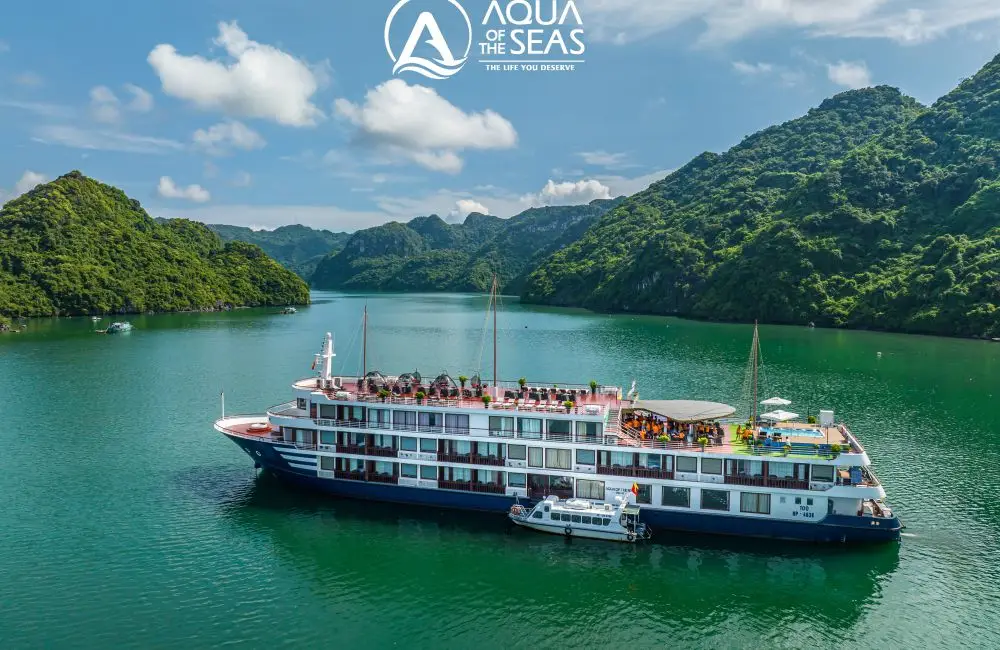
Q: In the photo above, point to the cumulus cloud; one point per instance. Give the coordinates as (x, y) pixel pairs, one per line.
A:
(28, 181)
(568, 193)
(261, 81)
(465, 207)
(417, 124)
(105, 106)
(231, 134)
(142, 101)
(849, 74)
(170, 190)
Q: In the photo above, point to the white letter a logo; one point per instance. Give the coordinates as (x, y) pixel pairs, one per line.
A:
(440, 68)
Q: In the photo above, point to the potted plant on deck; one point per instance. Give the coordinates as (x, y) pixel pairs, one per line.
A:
(384, 394)
(787, 449)
(811, 419)
(522, 382)
(461, 380)
(835, 450)
(703, 441)
(569, 406)
(486, 401)
(420, 396)
(593, 387)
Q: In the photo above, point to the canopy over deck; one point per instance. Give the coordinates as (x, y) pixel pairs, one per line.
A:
(775, 401)
(683, 410)
(779, 416)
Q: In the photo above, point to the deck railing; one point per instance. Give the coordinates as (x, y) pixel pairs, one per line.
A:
(473, 486)
(638, 472)
(767, 481)
(471, 459)
(383, 478)
(353, 475)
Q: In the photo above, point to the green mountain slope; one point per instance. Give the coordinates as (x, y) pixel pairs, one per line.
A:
(868, 212)
(298, 248)
(77, 246)
(428, 254)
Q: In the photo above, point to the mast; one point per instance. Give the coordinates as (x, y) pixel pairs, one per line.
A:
(328, 356)
(364, 345)
(493, 294)
(755, 352)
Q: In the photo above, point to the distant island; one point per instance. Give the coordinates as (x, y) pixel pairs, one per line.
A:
(76, 246)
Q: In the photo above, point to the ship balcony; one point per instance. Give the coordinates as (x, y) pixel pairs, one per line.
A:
(366, 450)
(472, 486)
(638, 472)
(767, 481)
(383, 478)
(349, 475)
(471, 459)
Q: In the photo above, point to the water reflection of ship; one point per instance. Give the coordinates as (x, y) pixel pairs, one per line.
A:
(432, 552)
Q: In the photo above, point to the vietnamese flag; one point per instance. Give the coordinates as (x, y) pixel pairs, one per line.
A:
(635, 489)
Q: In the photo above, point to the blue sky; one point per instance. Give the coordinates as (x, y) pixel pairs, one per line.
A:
(264, 113)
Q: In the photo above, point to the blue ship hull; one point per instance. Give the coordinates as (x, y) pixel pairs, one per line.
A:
(833, 528)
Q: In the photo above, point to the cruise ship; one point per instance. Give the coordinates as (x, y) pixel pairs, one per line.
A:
(484, 446)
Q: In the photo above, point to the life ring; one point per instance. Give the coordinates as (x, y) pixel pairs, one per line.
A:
(569, 531)
(631, 537)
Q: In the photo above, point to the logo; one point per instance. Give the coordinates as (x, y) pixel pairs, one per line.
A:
(442, 67)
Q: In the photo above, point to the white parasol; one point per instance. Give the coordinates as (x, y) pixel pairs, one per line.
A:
(775, 401)
(779, 416)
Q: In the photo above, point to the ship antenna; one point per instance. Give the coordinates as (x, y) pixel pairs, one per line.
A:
(755, 352)
(364, 345)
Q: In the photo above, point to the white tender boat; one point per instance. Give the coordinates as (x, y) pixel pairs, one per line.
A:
(583, 518)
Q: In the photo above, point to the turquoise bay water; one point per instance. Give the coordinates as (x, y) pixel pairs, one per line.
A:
(128, 522)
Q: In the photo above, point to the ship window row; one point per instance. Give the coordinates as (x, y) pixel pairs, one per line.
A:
(556, 429)
(581, 519)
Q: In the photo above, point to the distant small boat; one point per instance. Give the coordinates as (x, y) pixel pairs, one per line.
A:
(95, 318)
(116, 328)
(288, 310)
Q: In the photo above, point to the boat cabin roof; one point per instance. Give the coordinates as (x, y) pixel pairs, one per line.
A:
(685, 410)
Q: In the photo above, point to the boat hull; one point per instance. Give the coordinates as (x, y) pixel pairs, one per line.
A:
(560, 529)
(299, 467)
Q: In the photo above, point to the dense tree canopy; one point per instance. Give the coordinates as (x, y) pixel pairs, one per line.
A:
(297, 248)
(76, 246)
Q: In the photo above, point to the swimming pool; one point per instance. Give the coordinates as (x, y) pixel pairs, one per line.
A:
(799, 433)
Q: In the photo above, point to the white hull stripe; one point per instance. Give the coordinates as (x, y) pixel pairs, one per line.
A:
(300, 466)
(300, 459)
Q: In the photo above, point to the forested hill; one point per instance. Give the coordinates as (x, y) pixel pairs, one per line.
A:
(296, 247)
(870, 211)
(428, 254)
(77, 246)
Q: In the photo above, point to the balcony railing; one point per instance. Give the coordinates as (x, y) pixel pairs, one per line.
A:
(638, 472)
(353, 475)
(472, 486)
(471, 459)
(384, 452)
(767, 481)
(357, 450)
(383, 478)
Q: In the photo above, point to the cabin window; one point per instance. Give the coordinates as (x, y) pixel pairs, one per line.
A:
(617, 458)
(558, 459)
(407, 444)
(305, 436)
(428, 445)
(822, 473)
(487, 476)
(300, 403)
(590, 489)
(501, 426)
(456, 424)
(430, 421)
(586, 457)
(428, 472)
(650, 461)
(781, 470)
(408, 471)
(687, 464)
(517, 452)
(809, 502)
(554, 516)
(714, 500)
(378, 419)
(755, 502)
(558, 429)
(561, 484)
(404, 420)
(589, 431)
(745, 468)
(585, 520)
(354, 439)
(537, 515)
(607, 522)
(383, 468)
(676, 497)
(645, 494)
(575, 519)
(535, 456)
(530, 428)
(327, 463)
(564, 517)
(328, 438)
(516, 480)
(351, 413)
(459, 447)
(711, 466)
(461, 474)
(489, 449)
(328, 411)
(382, 441)
(798, 501)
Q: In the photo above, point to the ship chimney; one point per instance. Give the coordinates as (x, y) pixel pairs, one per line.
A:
(328, 356)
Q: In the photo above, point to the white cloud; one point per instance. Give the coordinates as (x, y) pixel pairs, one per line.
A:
(465, 207)
(28, 181)
(104, 140)
(568, 193)
(721, 21)
(104, 105)
(604, 159)
(28, 79)
(242, 179)
(415, 123)
(752, 69)
(263, 81)
(170, 190)
(627, 186)
(229, 134)
(849, 74)
(142, 101)
(39, 108)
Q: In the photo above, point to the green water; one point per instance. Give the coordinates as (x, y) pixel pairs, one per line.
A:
(128, 522)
